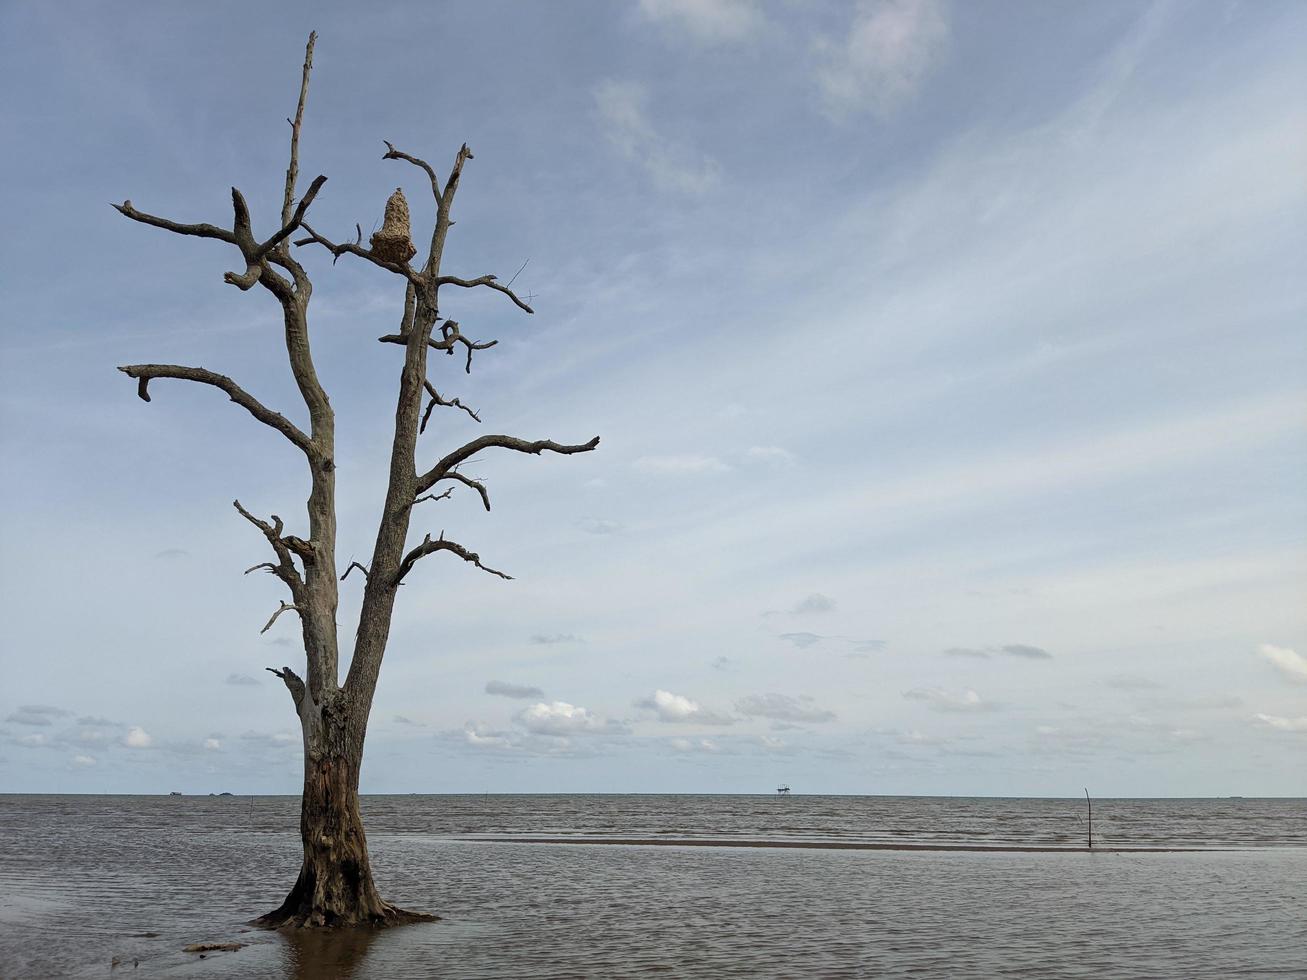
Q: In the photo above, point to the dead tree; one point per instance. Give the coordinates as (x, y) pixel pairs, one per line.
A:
(335, 885)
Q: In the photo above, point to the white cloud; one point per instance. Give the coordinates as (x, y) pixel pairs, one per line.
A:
(673, 167)
(1288, 662)
(85, 761)
(941, 700)
(891, 47)
(684, 465)
(481, 737)
(34, 741)
(138, 738)
(1282, 724)
(561, 718)
(676, 708)
(212, 745)
(707, 21)
(783, 708)
(769, 456)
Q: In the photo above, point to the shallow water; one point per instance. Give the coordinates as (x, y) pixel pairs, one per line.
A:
(82, 878)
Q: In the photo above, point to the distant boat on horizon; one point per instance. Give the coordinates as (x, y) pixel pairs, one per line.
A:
(783, 790)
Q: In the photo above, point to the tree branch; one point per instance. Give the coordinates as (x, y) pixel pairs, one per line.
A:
(447, 198)
(292, 681)
(450, 336)
(280, 609)
(293, 170)
(467, 481)
(199, 231)
(295, 219)
(394, 154)
(285, 568)
(437, 400)
(429, 547)
(463, 453)
(145, 373)
(445, 495)
(352, 248)
(491, 281)
(353, 565)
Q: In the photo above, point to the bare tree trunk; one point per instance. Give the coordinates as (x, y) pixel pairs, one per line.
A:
(335, 886)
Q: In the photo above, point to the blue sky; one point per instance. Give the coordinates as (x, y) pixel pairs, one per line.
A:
(948, 360)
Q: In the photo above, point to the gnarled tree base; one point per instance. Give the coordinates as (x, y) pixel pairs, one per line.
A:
(386, 917)
(308, 907)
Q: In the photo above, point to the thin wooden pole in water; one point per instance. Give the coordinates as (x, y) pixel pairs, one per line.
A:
(1090, 834)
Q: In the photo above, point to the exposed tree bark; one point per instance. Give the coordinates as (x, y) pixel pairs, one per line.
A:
(335, 885)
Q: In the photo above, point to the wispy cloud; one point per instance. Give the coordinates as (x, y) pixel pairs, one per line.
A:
(37, 714)
(504, 689)
(1291, 665)
(814, 603)
(783, 707)
(683, 465)
(1282, 724)
(625, 121)
(707, 21)
(773, 456)
(802, 640)
(1026, 652)
(942, 700)
(548, 639)
(1023, 651)
(595, 525)
(1131, 682)
(889, 51)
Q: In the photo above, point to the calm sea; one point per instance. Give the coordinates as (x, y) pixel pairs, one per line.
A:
(87, 882)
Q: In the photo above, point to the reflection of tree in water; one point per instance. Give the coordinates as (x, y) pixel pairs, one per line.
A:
(341, 954)
(315, 954)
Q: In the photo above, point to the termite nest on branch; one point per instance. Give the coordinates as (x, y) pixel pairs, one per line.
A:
(393, 242)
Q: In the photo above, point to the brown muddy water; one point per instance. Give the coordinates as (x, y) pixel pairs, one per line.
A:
(87, 881)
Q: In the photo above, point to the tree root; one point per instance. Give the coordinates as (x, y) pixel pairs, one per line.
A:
(296, 918)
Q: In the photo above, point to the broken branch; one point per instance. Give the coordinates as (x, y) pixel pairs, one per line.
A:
(292, 681)
(463, 453)
(491, 281)
(198, 230)
(435, 496)
(437, 400)
(144, 373)
(429, 547)
(281, 609)
(394, 154)
(353, 565)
